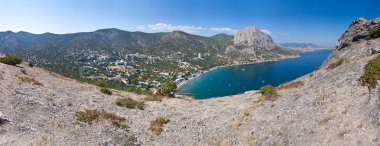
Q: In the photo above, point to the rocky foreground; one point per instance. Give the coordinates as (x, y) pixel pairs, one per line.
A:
(326, 107)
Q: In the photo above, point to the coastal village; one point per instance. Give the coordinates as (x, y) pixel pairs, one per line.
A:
(145, 72)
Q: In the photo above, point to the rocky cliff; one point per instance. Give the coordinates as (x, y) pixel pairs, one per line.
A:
(326, 107)
(252, 42)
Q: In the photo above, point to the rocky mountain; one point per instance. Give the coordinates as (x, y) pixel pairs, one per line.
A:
(326, 107)
(252, 42)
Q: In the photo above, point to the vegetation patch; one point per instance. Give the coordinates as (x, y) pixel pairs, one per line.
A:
(374, 32)
(130, 103)
(29, 80)
(106, 91)
(23, 71)
(10, 60)
(156, 126)
(155, 98)
(291, 85)
(268, 93)
(371, 73)
(336, 64)
(88, 116)
(91, 116)
(168, 88)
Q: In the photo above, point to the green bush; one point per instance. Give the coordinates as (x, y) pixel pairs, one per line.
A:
(10, 60)
(269, 92)
(371, 73)
(168, 88)
(157, 124)
(106, 91)
(130, 103)
(374, 32)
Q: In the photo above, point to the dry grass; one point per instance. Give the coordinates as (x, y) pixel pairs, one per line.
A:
(154, 98)
(157, 125)
(130, 103)
(91, 116)
(291, 85)
(30, 80)
(335, 64)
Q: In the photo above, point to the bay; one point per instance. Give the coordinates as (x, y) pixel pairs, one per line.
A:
(237, 79)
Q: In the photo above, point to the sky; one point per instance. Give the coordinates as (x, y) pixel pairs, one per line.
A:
(315, 21)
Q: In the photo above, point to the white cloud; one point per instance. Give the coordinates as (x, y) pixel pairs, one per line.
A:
(266, 31)
(141, 27)
(225, 30)
(169, 27)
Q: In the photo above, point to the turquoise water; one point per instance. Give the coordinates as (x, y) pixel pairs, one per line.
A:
(238, 79)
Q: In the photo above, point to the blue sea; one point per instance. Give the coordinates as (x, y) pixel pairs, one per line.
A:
(232, 80)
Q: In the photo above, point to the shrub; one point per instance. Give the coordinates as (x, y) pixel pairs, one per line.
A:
(371, 73)
(336, 64)
(269, 92)
(90, 116)
(157, 125)
(130, 103)
(168, 88)
(374, 32)
(29, 80)
(23, 71)
(116, 120)
(10, 60)
(106, 91)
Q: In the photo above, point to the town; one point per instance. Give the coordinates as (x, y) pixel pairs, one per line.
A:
(140, 72)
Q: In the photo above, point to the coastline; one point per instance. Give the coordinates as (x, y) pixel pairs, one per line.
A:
(228, 65)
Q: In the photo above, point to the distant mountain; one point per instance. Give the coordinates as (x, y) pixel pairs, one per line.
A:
(112, 40)
(59, 52)
(251, 42)
(300, 45)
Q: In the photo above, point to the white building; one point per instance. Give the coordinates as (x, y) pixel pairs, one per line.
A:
(200, 55)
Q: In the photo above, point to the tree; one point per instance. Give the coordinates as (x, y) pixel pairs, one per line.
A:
(10, 60)
(134, 81)
(269, 92)
(374, 32)
(168, 88)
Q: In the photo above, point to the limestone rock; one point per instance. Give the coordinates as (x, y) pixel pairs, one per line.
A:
(255, 43)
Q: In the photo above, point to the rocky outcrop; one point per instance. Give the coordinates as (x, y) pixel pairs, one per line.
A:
(253, 42)
(356, 36)
(251, 36)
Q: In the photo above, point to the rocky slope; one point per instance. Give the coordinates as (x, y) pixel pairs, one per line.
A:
(251, 42)
(326, 107)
